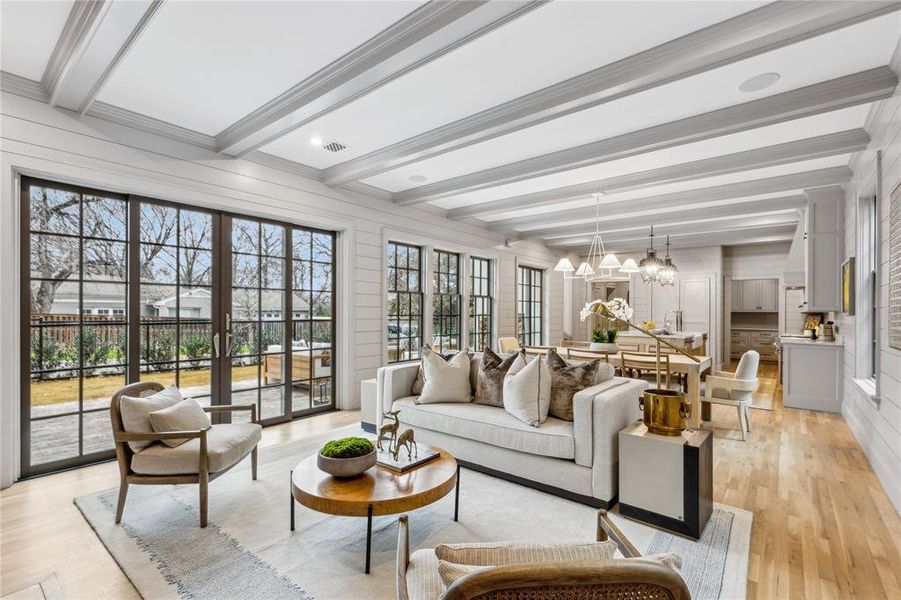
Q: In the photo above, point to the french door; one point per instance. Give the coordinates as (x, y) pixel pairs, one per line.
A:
(118, 288)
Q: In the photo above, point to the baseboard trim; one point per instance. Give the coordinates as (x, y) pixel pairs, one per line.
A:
(541, 487)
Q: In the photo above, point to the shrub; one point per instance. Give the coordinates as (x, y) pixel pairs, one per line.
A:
(195, 345)
(349, 447)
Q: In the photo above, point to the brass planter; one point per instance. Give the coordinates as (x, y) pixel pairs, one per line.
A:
(666, 412)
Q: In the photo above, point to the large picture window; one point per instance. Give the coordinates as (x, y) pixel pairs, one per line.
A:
(404, 302)
(446, 314)
(529, 305)
(480, 303)
(118, 289)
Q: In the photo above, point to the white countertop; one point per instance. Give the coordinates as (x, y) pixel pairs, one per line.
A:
(839, 341)
(754, 328)
(678, 335)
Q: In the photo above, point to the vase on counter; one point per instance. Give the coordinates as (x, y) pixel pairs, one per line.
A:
(612, 348)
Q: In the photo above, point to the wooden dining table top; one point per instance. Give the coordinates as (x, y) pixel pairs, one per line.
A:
(678, 362)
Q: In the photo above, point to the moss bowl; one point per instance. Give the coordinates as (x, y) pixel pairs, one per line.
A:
(346, 467)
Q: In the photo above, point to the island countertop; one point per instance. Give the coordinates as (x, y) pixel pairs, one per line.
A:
(806, 341)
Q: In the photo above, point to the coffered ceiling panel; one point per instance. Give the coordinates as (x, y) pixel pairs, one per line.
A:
(831, 122)
(29, 31)
(838, 53)
(548, 45)
(204, 65)
(550, 211)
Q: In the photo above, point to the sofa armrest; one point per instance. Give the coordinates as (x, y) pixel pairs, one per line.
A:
(612, 410)
(585, 413)
(394, 381)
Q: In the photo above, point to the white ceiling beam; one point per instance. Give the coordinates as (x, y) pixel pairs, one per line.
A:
(728, 191)
(613, 222)
(833, 144)
(94, 42)
(851, 90)
(427, 33)
(697, 226)
(777, 233)
(761, 30)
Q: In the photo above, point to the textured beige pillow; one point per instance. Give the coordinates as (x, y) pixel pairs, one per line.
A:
(445, 381)
(522, 553)
(527, 393)
(187, 415)
(136, 412)
(450, 572)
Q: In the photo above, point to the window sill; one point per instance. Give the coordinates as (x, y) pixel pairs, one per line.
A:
(868, 388)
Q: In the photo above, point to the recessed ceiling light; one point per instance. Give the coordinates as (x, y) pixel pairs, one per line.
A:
(759, 82)
(418, 178)
(315, 141)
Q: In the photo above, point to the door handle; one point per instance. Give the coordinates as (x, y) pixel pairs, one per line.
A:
(228, 344)
(216, 345)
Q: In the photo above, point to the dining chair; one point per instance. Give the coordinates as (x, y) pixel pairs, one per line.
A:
(735, 389)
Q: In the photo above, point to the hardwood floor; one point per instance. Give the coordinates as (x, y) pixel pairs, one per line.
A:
(823, 527)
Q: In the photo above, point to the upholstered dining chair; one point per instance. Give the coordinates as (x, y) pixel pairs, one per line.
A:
(735, 389)
(508, 345)
(538, 577)
(206, 455)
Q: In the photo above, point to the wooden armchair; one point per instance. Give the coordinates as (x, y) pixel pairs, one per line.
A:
(215, 449)
(591, 580)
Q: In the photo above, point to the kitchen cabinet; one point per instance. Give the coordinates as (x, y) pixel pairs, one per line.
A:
(823, 249)
(755, 295)
(812, 374)
(761, 340)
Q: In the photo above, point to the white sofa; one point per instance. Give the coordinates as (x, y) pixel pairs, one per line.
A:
(575, 459)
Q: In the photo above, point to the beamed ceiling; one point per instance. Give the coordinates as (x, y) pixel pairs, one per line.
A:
(509, 114)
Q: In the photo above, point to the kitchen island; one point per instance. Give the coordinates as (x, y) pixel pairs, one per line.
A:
(693, 342)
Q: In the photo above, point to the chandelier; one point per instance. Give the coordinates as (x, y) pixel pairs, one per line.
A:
(666, 275)
(650, 266)
(604, 263)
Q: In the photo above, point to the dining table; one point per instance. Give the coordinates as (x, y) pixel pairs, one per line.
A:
(678, 364)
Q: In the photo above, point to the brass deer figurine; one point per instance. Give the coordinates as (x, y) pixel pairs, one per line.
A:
(388, 431)
(405, 440)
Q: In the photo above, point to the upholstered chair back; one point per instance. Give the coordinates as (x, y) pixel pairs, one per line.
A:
(747, 369)
(508, 345)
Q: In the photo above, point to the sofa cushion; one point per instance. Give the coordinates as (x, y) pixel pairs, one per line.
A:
(187, 415)
(226, 444)
(490, 380)
(136, 411)
(566, 381)
(527, 393)
(445, 380)
(490, 425)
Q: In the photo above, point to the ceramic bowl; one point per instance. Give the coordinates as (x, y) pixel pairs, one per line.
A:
(346, 467)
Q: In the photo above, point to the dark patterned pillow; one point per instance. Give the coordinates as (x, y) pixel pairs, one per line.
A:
(566, 381)
(490, 383)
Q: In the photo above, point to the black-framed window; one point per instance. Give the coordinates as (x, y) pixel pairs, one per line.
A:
(529, 305)
(404, 301)
(480, 303)
(446, 300)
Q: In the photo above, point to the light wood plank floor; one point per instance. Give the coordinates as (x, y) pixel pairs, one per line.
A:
(823, 527)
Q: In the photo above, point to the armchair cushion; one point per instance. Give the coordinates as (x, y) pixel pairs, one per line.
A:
(136, 412)
(187, 415)
(227, 444)
(423, 582)
(522, 553)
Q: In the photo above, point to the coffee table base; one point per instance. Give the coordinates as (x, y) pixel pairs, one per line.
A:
(369, 514)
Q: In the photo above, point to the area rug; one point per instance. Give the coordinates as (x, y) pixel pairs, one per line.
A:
(248, 550)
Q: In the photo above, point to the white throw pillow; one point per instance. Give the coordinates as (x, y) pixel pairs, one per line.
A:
(445, 381)
(187, 415)
(136, 412)
(527, 393)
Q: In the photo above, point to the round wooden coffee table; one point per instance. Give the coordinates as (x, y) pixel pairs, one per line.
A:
(378, 491)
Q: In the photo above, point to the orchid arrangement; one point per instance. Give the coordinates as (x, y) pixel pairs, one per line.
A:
(617, 308)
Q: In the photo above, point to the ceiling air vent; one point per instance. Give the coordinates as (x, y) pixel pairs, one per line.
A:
(334, 147)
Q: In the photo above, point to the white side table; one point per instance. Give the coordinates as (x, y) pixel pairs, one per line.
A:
(666, 481)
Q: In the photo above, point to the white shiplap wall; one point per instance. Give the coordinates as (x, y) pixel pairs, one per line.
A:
(58, 145)
(877, 426)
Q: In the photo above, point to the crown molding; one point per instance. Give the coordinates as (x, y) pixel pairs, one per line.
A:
(764, 29)
(122, 116)
(832, 144)
(842, 92)
(701, 211)
(728, 191)
(22, 86)
(427, 33)
(81, 25)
